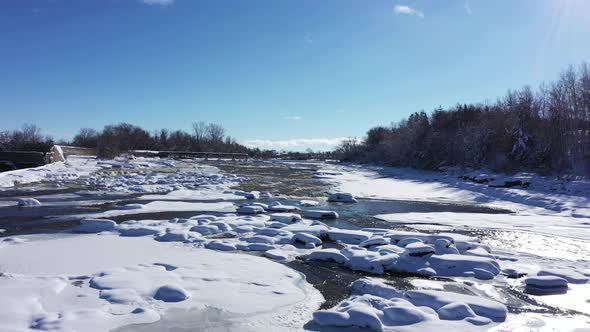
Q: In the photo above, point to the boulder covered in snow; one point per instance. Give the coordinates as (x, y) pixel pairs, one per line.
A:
(320, 214)
(171, 293)
(342, 198)
(545, 285)
(250, 209)
(28, 202)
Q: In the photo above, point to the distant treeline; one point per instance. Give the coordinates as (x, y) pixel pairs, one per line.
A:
(547, 130)
(115, 139)
(29, 138)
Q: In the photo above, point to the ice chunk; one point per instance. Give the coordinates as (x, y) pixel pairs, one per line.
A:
(94, 226)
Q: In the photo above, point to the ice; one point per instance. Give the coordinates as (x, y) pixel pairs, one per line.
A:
(28, 202)
(342, 198)
(320, 214)
(94, 226)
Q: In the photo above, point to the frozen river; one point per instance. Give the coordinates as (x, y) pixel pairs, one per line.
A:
(418, 245)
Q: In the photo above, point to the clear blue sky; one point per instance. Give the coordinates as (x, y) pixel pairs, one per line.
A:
(277, 70)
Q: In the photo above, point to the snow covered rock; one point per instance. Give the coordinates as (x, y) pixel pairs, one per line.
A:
(171, 293)
(308, 202)
(308, 240)
(436, 300)
(348, 236)
(328, 255)
(219, 245)
(341, 198)
(28, 202)
(374, 287)
(94, 226)
(545, 285)
(278, 207)
(572, 277)
(320, 214)
(285, 218)
(250, 209)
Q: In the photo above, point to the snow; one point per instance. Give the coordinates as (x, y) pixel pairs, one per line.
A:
(100, 282)
(75, 167)
(545, 195)
(377, 306)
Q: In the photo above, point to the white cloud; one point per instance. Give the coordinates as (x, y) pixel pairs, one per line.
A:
(407, 10)
(296, 144)
(292, 117)
(158, 2)
(468, 8)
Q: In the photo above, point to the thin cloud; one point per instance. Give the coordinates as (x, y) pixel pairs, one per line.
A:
(407, 10)
(158, 2)
(467, 8)
(297, 144)
(292, 118)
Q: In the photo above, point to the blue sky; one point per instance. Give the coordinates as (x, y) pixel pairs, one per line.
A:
(280, 74)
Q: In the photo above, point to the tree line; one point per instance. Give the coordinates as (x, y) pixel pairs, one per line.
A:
(546, 130)
(115, 139)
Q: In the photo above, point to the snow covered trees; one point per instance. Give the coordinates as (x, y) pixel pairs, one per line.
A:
(547, 131)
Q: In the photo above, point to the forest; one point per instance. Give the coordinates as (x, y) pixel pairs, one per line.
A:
(544, 130)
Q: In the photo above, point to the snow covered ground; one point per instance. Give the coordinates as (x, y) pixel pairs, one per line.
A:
(215, 268)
